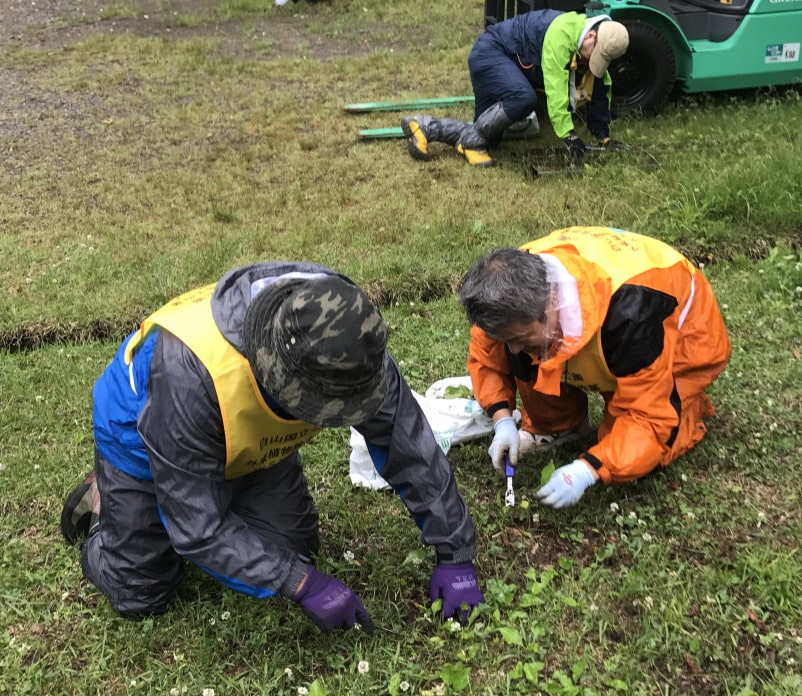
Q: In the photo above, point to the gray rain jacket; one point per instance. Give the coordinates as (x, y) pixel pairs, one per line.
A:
(181, 428)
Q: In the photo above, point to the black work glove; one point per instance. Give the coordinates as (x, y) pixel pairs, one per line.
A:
(614, 145)
(575, 147)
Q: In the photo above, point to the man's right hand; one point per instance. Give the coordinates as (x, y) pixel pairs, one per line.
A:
(576, 148)
(330, 604)
(505, 441)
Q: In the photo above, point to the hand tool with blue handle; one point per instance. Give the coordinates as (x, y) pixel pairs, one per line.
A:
(509, 496)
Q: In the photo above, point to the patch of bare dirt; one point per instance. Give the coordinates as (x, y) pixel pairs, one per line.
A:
(282, 32)
(18, 15)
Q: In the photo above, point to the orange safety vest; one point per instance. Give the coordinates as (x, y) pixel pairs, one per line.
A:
(617, 256)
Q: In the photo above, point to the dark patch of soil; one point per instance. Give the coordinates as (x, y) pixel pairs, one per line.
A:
(51, 24)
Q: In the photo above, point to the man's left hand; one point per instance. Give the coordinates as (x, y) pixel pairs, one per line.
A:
(566, 485)
(575, 148)
(456, 584)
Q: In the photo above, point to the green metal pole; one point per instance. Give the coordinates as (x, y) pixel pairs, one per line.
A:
(379, 133)
(407, 105)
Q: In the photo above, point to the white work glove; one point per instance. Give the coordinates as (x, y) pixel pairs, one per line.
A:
(566, 485)
(505, 441)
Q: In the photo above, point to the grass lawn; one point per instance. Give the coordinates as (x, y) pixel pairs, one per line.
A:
(151, 145)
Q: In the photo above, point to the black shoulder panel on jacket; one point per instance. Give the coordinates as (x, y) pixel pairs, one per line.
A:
(632, 333)
(521, 364)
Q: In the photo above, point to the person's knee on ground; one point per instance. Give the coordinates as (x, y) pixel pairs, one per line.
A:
(132, 595)
(536, 442)
(524, 128)
(129, 556)
(520, 108)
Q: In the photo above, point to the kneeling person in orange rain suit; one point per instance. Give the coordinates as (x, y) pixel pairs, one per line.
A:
(593, 309)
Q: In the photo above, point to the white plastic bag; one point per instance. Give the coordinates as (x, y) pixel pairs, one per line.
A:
(456, 420)
(453, 421)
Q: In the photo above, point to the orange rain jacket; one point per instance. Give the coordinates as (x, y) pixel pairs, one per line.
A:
(650, 339)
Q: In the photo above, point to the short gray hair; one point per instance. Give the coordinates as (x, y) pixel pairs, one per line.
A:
(508, 285)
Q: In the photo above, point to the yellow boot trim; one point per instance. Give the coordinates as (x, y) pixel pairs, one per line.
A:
(476, 158)
(417, 144)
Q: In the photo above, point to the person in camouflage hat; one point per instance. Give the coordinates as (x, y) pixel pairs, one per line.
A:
(198, 421)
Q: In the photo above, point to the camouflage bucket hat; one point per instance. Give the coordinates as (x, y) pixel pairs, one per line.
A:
(316, 344)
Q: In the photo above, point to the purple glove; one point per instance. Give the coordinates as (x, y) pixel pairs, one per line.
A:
(331, 604)
(456, 584)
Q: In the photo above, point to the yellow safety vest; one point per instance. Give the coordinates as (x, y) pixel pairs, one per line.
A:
(256, 437)
(620, 256)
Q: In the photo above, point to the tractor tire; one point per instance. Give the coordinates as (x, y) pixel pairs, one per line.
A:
(644, 77)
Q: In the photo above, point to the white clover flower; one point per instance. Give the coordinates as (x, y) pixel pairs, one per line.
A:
(454, 626)
(790, 661)
(363, 667)
(404, 686)
(132, 682)
(690, 515)
(174, 691)
(225, 616)
(212, 621)
(303, 691)
(684, 478)
(208, 692)
(648, 601)
(348, 556)
(613, 507)
(633, 515)
(778, 636)
(288, 673)
(647, 537)
(440, 689)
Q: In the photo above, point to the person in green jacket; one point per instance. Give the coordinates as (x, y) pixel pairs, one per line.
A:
(564, 54)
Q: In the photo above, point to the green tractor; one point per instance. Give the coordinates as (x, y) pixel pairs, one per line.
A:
(691, 45)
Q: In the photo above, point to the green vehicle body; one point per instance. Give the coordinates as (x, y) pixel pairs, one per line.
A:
(689, 45)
